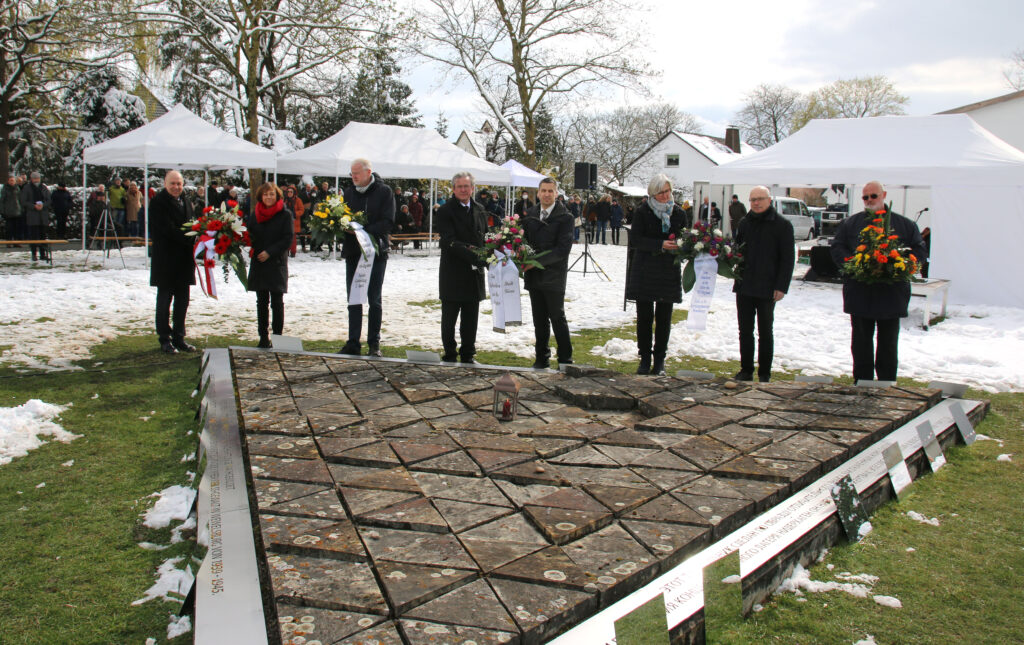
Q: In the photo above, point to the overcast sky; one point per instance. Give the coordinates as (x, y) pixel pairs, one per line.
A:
(940, 53)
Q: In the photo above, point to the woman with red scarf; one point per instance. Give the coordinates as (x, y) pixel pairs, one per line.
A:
(271, 231)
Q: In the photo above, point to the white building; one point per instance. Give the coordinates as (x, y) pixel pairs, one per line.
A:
(1003, 116)
(484, 143)
(686, 158)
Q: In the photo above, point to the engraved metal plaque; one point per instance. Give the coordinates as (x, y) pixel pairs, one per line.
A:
(899, 475)
(931, 446)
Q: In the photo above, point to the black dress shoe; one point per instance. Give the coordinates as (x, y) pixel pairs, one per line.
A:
(353, 349)
(449, 358)
(264, 343)
(542, 363)
(743, 376)
(182, 346)
(645, 365)
(168, 348)
(374, 350)
(468, 361)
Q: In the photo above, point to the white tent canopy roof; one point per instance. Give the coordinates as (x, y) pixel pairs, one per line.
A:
(521, 175)
(180, 139)
(897, 150)
(395, 152)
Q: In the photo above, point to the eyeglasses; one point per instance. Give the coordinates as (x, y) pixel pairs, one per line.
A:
(667, 191)
(759, 199)
(871, 196)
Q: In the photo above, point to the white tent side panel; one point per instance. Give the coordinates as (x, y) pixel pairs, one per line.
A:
(973, 235)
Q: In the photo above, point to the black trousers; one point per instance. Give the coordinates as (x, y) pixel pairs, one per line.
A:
(657, 315)
(268, 302)
(373, 300)
(549, 314)
(747, 308)
(869, 360)
(39, 232)
(179, 294)
(468, 313)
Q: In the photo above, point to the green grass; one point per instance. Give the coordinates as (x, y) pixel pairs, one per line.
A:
(72, 566)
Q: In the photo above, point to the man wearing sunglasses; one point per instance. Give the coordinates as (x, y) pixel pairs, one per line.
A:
(877, 306)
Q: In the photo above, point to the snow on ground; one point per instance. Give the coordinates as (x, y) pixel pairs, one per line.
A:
(856, 585)
(174, 503)
(923, 519)
(1005, 457)
(22, 427)
(52, 316)
(169, 580)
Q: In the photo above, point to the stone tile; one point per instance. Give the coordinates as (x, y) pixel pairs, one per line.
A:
(470, 422)
(666, 479)
(666, 423)
(567, 413)
(420, 632)
(663, 403)
(325, 583)
(667, 508)
(501, 541)
(300, 625)
(787, 390)
(420, 394)
(312, 537)
(621, 499)
(272, 491)
(871, 427)
(854, 441)
(802, 446)
(385, 634)
(705, 452)
(491, 460)
(440, 407)
(253, 390)
(625, 456)
(724, 514)
(415, 514)
(411, 451)
(743, 439)
(390, 415)
(764, 494)
(703, 418)
(462, 489)
(562, 430)
(471, 605)
(453, 463)
(323, 504)
(570, 498)
(377, 454)
(415, 547)
(663, 459)
(549, 566)
(361, 501)
(585, 456)
(409, 585)
(310, 471)
(794, 473)
(365, 477)
(548, 448)
(325, 424)
(562, 525)
(522, 494)
(462, 516)
(531, 472)
(334, 447)
(593, 430)
(481, 400)
(291, 425)
(583, 476)
(484, 440)
(671, 542)
(614, 557)
(470, 383)
(710, 486)
(594, 394)
(541, 611)
(626, 438)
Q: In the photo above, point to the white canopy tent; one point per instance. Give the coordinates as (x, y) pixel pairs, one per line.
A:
(976, 180)
(521, 175)
(180, 140)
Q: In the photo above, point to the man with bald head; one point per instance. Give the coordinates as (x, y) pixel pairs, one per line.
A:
(172, 269)
(875, 307)
(769, 250)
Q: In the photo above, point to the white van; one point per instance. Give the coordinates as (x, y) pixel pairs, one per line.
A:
(795, 210)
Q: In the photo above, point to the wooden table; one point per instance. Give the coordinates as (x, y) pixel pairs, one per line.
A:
(928, 290)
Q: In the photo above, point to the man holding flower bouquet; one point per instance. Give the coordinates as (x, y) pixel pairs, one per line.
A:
(879, 251)
(369, 195)
(172, 269)
(461, 224)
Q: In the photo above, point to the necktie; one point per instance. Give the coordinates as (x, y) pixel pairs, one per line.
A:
(543, 215)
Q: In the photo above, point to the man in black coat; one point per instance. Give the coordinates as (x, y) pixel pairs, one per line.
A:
(172, 269)
(875, 306)
(737, 211)
(769, 250)
(548, 227)
(374, 198)
(461, 223)
(36, 204)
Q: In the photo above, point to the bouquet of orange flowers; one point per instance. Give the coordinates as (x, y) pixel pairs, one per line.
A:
(879, 258)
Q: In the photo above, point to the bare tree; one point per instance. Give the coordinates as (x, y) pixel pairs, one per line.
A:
(1014, 72)
(41, 48)
(767, 114)
(851, 99)
(658, 119)
(544, 48)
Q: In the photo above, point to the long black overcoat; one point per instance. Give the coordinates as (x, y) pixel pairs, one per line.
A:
(770, 253)
(877, 301)
(654, 275)
(275, 237)
(378, 203)
(461, 276)
(553, 235)
(172, 264)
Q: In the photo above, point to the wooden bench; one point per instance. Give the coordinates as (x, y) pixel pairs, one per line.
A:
(399, 240)
(30, 242)
(928, 290)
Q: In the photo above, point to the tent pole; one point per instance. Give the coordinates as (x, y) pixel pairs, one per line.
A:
(904, 211)
(430, 214)
(336, 185)
(145, 190)
(84, 200)
(206, 184)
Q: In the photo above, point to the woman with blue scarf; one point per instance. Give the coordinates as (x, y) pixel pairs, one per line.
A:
(654, 279)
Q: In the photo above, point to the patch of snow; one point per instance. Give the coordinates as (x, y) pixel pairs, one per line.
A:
(174, 503)
(731, 580)
(188, 457)
(867, 640)
(69, 463)
(864, 529)
(917, 517)
(149, 546)
(22, 426)
(888, 601)
(41, 485)
(178, 626)
(758, 607)
(111, 301)
(863, 578)
(1004, 457)
(856, 585)
(150, 641)
(96, 395)
(911, 549)
(188, 525)
(169, 579)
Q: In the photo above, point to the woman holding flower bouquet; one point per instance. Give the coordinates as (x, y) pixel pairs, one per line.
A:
(655, 278)
(271, 231)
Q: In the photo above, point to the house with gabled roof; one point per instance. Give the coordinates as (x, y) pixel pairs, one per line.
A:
(686, 158)
(1003, 116)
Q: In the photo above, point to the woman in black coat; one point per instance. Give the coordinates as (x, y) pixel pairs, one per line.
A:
(271, 231)
(655, 280)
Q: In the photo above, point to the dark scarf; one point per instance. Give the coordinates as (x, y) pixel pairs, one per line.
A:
(37, 191)
(264, 213)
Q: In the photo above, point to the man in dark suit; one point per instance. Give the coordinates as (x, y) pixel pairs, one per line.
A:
(548, 227)
(173, 269)
(374, 198)
(461, 223)
(875, 306)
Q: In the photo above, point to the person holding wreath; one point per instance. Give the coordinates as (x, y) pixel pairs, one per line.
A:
(271, 231)
(655, 279)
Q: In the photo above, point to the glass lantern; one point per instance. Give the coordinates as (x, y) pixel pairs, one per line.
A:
(506, 398)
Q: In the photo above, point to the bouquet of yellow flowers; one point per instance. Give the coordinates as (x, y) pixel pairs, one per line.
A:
(879, 259)
(331, 219)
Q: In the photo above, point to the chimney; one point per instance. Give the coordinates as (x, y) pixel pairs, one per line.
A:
(732, 138)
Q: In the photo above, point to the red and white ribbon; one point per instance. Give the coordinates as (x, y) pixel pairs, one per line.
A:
(204, 246)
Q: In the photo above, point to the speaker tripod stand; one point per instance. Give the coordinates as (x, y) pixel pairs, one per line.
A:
(105, 232)
(587, 257)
